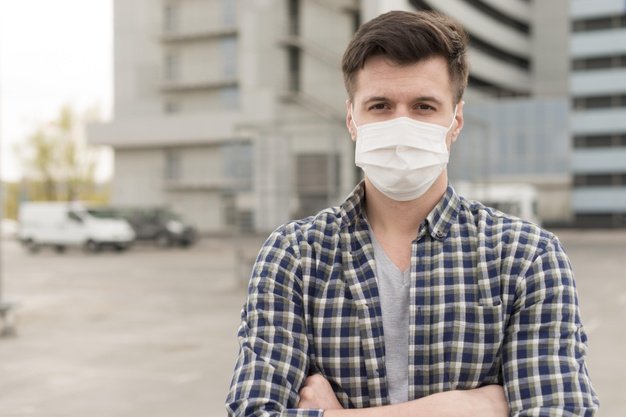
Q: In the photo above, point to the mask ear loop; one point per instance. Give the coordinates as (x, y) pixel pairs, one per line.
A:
(456, 107)
(356, 128)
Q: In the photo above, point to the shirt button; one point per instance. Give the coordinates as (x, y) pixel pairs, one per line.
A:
(439, 234)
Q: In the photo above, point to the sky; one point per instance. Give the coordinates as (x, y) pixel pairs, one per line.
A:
(52, 52)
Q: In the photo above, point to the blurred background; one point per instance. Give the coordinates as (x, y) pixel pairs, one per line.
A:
(202, 125)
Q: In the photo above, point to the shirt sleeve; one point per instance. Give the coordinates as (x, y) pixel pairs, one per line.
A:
(273, 349)
(544, 371)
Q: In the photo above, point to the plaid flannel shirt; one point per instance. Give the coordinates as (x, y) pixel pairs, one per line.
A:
(493, 301)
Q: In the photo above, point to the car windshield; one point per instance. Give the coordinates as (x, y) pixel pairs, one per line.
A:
(103, 213)
(168, 215)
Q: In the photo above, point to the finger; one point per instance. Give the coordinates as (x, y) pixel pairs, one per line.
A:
(308, 381)
(305, 393)
(316, 380)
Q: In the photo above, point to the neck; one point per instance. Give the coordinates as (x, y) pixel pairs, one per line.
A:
(401, 218)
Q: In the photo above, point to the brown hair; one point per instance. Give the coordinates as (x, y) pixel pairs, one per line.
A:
(406, 38)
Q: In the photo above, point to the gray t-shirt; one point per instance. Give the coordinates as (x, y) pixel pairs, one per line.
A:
(393, 286)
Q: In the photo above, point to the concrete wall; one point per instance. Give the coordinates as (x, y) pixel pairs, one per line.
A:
(327, 30)
(484, 26)
(550, 41)
(139, 177)
(197, 15)
(502, 74)
(205, 209)
(137, 60)
(596, 8)
(196, 193)
(280, 126)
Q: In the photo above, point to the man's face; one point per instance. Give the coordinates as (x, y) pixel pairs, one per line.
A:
(421, 91)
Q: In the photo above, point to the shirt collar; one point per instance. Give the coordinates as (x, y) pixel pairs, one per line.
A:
(437, 223)
(445, 213)
(350, 209)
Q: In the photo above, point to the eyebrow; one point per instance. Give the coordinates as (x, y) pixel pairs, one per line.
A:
(430, 99)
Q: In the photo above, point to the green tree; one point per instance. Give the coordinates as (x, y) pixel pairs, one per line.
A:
(11, 200)
(57, 161)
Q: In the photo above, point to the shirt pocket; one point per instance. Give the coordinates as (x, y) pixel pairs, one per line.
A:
(475, 344)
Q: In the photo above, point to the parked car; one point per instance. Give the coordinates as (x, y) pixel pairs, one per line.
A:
(63, 224)
(157, 224)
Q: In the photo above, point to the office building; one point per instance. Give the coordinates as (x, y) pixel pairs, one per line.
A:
(516, 112)
(598, 117)
(232, 112)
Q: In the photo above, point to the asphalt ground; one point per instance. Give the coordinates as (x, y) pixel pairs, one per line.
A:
(151, 332)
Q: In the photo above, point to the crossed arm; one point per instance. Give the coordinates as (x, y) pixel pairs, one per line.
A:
(488, 401)
(543, 353)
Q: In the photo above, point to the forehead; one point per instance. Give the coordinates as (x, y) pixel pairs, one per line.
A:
(381, 77)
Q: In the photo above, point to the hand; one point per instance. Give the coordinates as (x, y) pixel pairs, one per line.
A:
(489, 401)
(317, 393)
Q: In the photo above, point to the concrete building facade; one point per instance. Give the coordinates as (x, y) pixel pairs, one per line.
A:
(516, 114)
(232, 112)
(512, 141)
(598, 117)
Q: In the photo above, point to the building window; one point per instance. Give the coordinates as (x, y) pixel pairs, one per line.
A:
(596, 63)
(172, 165)
(237, 164)
(617, 140)
(229, 12)
(171, 71)
(600, 102)
(170, 18)
(293, 17)
(229, 209)
(235, 217)
(484, 46)
(293, 51)
(356, 20)
(600, 180)
(229, 98)
(171, 107)
(228, 48)
(317, 180)
(492, 89)
(500, 17)
(599, 23)
(600, 219)
(293, 58)
(498, 53)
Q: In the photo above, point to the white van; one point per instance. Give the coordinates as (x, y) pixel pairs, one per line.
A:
(63, 224)
(519, 200)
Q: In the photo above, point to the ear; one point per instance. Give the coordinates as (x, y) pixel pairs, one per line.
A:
(459, 121)
(349, 120)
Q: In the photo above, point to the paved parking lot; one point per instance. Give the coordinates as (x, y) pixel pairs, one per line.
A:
(151, 332)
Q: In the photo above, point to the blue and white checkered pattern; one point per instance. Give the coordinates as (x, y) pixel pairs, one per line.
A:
(493, 301)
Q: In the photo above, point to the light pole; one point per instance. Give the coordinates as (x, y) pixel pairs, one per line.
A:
(7, 318)
(7, 322)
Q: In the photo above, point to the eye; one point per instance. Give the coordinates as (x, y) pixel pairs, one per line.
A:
(424, 107)
(378, 106)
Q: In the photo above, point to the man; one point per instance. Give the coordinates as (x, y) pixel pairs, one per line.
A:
(408, 300)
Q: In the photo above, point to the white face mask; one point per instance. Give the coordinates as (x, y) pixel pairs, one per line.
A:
(402, 157)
